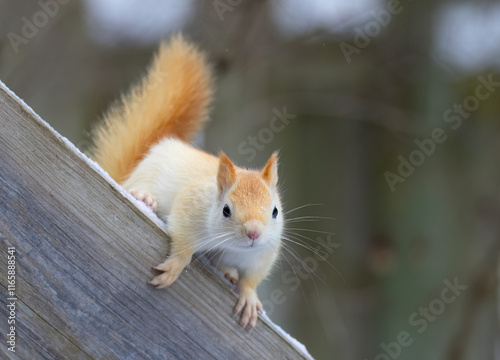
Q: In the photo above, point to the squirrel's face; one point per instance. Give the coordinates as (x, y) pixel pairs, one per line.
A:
(249, 206)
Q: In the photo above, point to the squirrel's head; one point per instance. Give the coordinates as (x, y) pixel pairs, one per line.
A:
(249, 206)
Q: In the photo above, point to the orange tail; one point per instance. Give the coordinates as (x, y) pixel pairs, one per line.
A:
(171, 100)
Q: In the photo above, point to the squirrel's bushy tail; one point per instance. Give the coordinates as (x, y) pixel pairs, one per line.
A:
(171, 100)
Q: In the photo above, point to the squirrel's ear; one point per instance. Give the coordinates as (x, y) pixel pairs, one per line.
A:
(226, 175)
(270, 171)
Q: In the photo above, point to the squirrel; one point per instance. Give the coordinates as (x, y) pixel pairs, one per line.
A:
(209, 204)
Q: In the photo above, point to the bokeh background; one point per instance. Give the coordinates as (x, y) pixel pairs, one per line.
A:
(363, 82)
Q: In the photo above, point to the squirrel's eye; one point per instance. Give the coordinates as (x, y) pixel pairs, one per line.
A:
(226, 211)
(275, 212)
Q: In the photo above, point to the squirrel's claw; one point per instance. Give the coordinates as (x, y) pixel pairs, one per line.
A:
(164, 280)
(249, 305)
(146, 197)
(171, 268)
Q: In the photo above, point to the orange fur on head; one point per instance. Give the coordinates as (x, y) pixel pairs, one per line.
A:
(171, 100)
(251, 197)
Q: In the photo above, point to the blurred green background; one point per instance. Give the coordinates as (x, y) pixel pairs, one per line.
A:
(393, 128)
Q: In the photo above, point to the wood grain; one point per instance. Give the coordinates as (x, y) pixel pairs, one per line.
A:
(84, 255)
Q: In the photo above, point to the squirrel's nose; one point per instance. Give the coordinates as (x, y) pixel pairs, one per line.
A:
(253, 229)
(253, 234)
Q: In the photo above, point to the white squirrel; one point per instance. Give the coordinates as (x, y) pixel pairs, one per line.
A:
(208, 203)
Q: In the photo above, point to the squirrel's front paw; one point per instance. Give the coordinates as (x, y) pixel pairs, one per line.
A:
(249, 305)
(172, 268)
(146, 197)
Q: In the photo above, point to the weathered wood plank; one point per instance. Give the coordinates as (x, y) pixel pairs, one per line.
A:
(84, 254)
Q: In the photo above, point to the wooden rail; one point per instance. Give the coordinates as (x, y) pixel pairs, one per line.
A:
(83, 257)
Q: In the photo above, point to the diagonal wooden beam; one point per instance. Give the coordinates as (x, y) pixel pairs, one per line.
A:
(83, 255)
